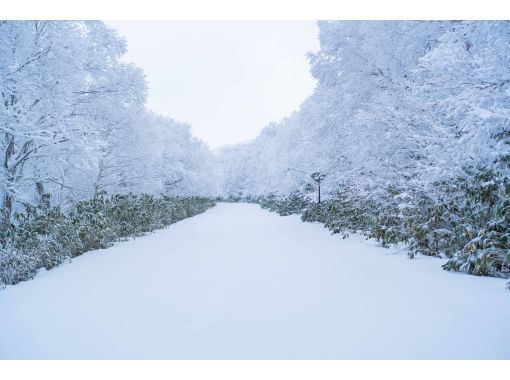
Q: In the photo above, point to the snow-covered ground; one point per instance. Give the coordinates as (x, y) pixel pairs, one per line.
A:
(240, 282)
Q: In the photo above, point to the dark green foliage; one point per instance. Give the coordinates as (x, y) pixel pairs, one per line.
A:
(487, 254)
(44, 238)
(467, 221)
(295, 203)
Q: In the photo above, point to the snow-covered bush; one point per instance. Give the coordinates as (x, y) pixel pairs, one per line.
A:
(44, 238)
(486, 250)
(17, 266)
(468, 223)
(294, 203)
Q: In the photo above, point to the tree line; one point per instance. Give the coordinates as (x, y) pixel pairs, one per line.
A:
(410, 122)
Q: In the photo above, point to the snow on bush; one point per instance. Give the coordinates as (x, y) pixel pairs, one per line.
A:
(44, 238)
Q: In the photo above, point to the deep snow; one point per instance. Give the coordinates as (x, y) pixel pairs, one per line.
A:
(240, 282)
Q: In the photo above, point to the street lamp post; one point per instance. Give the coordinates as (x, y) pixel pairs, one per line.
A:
(318, 178)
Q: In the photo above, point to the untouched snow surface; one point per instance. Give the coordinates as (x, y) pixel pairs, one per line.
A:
(240, 282)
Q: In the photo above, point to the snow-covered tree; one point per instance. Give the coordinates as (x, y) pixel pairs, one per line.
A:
(409, 120)
(73, 121)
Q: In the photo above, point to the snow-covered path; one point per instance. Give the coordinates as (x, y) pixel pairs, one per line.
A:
(240, 282)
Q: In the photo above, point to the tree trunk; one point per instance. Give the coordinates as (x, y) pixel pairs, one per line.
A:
(6, 210)
(44, 198)
(7, 201)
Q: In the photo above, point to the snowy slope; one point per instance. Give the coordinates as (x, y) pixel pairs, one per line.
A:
(240, 282)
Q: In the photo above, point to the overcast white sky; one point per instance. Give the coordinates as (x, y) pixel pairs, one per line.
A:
(228, 79)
